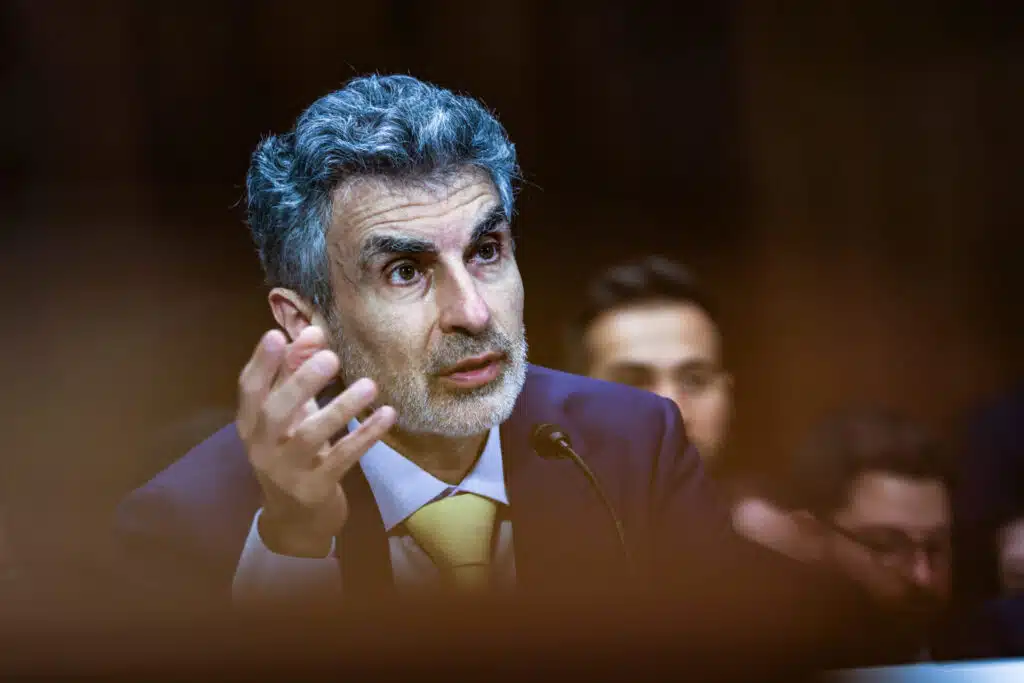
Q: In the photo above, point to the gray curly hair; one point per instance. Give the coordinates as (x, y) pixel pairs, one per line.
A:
(377, 126)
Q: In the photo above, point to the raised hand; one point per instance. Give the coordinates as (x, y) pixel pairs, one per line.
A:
(287, 438)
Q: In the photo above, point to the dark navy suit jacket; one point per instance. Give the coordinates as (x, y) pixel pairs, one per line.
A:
(181, 535)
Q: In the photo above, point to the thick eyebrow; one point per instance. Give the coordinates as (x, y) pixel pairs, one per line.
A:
(489, 224)
(382, 245)
(696, 364)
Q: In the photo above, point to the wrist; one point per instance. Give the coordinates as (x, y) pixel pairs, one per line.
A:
(293, 538)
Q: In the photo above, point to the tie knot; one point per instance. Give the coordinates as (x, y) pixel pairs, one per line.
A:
(456, 533)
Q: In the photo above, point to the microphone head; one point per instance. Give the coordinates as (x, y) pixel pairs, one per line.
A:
(550, 441)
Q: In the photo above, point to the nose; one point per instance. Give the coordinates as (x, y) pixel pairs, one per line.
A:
(462, 307)
(922, 571)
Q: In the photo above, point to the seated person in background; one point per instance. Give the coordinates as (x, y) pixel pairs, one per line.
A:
(872, 492)
(649, 324)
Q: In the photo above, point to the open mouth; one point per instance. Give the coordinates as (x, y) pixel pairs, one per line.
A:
(474, 363)
(475, 371)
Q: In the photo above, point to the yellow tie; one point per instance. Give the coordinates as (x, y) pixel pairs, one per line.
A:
(456, 533)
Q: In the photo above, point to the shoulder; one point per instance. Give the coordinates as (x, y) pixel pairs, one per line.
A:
(620, 428)
(210, 491)
(600, 406)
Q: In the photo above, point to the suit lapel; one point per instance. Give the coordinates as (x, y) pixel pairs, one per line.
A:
(364, 556)
(362, 546)
(562, 534)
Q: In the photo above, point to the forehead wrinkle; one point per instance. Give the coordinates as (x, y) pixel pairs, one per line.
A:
(424, 210)
(343, 250)
(364, 195)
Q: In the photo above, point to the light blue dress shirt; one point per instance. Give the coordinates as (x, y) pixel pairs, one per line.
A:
(400, 488)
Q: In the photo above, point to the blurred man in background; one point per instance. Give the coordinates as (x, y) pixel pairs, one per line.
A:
(873, 490)
(648, 324)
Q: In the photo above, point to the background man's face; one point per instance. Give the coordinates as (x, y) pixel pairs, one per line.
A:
(903, 526)
(672, 349)
(429, 300)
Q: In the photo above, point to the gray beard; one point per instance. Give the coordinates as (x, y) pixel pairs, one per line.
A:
(423, 405)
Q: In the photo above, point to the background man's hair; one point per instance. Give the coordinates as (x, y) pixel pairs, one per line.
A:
(393, 127)
(856, 440)
(644, 280)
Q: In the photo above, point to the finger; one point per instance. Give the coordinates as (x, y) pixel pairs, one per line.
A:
(313, 432)
(257, 378)
(291, 395)
(347, 452)
(309, 341)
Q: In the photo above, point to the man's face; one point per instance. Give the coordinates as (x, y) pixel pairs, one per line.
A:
(673, 350)
(429, 300)
(902, 551)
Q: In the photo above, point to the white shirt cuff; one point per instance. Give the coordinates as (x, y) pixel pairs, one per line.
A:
(264, 576)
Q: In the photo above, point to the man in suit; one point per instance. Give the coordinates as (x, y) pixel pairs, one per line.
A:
(384, 441)
(400, 380)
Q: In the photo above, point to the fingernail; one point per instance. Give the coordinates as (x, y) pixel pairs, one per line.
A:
(382, 414)
(322, 363)
(363, 388)
(272, 341)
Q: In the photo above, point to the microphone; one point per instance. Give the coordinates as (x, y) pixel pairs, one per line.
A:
(551, 443)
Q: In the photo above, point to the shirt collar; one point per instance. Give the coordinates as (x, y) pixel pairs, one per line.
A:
(400, 487)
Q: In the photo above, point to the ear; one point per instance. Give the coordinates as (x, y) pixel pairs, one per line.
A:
(293, 313)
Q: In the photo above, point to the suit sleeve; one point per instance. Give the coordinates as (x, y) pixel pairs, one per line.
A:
(690, 516)
(154, 565)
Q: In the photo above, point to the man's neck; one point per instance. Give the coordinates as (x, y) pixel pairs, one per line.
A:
(448, 458)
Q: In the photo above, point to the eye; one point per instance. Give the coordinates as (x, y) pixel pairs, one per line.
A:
(693, 382)
(488, 252)
(403, 274)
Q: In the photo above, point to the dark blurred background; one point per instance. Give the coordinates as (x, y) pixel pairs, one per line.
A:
(845, 175)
